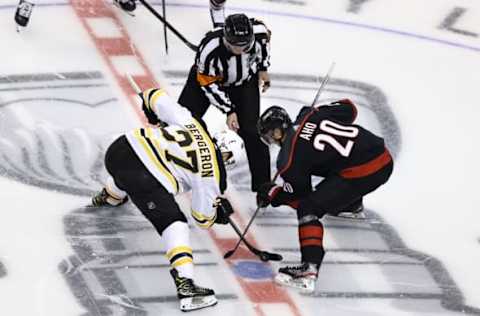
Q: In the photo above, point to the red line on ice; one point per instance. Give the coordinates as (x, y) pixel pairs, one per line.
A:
(258, 292)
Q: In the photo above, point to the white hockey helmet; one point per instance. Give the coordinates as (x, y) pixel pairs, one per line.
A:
(231, 146)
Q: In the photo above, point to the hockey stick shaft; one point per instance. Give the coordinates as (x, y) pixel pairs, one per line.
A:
(164, 12)
(242, 236)
(323, 84)
(315, 100)
(133, 84)
(168, 25)
(263, 255)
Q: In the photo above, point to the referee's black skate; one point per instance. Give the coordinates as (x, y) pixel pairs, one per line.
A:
(126, 5)
(104, 199)
(191, 296)
(302, 276)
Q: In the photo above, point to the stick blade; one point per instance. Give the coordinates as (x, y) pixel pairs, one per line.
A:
(228, 254)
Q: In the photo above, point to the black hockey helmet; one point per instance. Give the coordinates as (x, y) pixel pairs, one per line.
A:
(238, 30)
(273, 117)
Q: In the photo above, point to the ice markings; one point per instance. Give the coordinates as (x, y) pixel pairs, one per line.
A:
(253, 270)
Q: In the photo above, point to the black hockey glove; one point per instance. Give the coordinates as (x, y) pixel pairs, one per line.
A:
(224, 210)
(263, 194)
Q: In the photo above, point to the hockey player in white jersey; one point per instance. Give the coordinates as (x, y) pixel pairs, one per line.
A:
(150, 165)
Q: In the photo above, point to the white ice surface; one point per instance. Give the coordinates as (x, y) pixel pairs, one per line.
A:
(430, 77)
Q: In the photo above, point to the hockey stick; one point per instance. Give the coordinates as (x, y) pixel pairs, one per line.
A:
(164, 12)
(229, 253)
(323, 84)
(263, 255)
(133, 84)
(168, 25)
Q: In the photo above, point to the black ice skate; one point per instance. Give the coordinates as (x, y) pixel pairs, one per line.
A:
(302, 277)
(126, 5)
(353, 211)
(191, 296)
(103, 198)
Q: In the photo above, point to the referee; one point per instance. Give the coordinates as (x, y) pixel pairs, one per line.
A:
(230, 66)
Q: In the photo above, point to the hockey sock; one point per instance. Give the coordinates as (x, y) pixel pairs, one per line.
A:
(176, 238)
(310, 234)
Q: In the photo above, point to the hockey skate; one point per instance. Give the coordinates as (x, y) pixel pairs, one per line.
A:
(128, 6)
(191, 296)
(353, 211)
(302, 277)
(104, 199)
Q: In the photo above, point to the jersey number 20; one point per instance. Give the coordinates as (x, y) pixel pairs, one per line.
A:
(332, 129)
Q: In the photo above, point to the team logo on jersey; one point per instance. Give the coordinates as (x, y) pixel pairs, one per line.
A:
(151, 205)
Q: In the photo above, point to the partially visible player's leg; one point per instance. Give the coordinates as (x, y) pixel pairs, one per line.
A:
(126, 5)
(329, 194)
(304, 275)
(217, 12)
(117, 158)
(160, 208)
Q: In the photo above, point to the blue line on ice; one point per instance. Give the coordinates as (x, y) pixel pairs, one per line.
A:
(301, 17)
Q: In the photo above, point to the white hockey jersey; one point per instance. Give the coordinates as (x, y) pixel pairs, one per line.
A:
(181, 156)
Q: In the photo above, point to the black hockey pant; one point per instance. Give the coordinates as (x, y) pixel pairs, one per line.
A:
(332, 195)
(131, 176)
(246, 98)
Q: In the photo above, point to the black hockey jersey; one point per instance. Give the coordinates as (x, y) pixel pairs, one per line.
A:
(326, 142)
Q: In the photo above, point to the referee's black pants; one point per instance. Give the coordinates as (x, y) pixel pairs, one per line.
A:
(246, 98)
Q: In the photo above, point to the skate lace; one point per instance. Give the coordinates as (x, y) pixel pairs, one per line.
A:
(297, 268)
(186, 286)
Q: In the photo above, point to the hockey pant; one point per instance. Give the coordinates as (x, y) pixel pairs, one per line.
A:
(332, 195)
(128, 174)
(246, 98)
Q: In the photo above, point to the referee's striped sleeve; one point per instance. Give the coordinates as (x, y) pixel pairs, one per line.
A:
(205, 58)
(217, 96)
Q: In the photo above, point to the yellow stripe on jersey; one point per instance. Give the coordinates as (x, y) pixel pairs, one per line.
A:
(154, 156)
(150, 96)
(202, 220)
(154, 96)
(175, 251)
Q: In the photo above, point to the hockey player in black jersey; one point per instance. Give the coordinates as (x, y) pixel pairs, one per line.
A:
(324, 142)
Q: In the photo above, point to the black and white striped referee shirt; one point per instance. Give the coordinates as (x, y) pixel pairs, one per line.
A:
(218, 68)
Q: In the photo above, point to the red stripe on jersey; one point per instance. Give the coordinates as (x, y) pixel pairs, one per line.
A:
(367, 168)
(354, 108)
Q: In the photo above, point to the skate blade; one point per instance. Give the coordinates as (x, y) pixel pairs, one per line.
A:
(350, 215)
(193, 303)
(287, 280)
